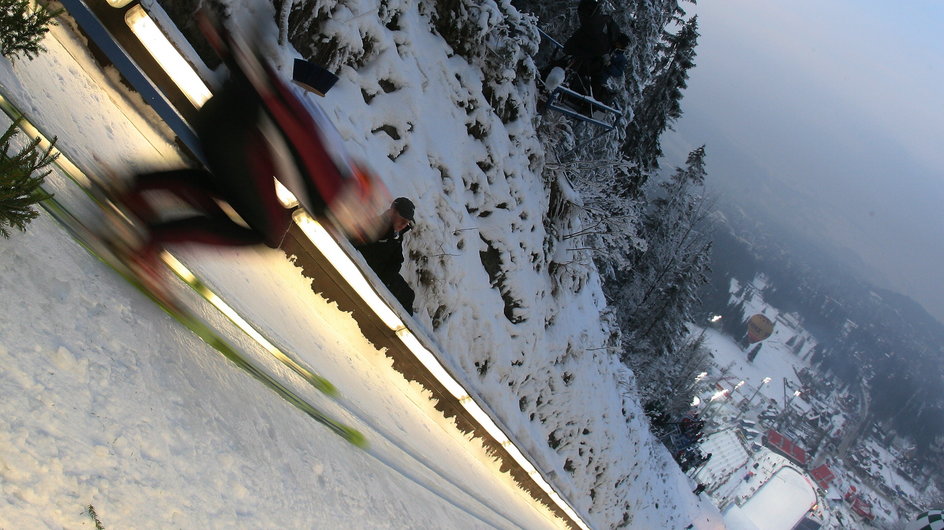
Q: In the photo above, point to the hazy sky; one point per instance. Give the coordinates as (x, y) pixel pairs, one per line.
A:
(831, 114)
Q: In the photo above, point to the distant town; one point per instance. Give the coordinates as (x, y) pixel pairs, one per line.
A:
(782, 435)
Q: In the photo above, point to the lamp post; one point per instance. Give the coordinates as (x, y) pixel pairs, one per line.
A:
(692, 389)
(786, 408)
(763, 382)
(717, 397)
(735, 389)
(713, 321)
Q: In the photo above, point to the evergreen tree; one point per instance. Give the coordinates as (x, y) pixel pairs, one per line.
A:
(23, 24)
(681, 376)
(732, 318)
(658, 292)
(19, 186)
(610, 213)
(660, 104)
(753, 353)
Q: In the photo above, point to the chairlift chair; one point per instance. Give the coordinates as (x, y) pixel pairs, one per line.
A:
(569, 102)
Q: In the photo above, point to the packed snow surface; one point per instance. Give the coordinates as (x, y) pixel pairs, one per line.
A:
(781, 502)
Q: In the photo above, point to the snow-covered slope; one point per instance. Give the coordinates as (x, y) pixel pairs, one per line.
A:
(483, 263)
(531, 343)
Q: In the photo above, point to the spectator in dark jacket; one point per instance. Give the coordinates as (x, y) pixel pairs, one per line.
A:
(385, 255)
(597, 48)
(595, 32)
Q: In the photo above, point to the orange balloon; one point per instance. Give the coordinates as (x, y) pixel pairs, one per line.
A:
(759, 328)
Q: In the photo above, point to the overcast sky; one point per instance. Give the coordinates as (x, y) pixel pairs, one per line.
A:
(831, 113)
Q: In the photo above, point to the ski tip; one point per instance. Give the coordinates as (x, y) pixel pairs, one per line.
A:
(327, 387)
(355, 437)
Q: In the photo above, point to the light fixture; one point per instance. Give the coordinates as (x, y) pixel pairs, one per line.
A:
(484, 420)
(336, 256)
(429, 361)
(167, 56)
(285, 197)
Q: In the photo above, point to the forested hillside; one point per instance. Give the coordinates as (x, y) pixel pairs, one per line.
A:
(645, 225)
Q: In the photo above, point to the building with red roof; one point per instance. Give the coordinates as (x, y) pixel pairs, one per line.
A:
(823, 476)
(859, 505)
(782, 445)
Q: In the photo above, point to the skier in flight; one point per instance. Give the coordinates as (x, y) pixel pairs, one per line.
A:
(252, 131)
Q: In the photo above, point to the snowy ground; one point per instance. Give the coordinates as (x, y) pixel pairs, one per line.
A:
(108, 402)
(763, 500)
(767, 505)
(773, 361)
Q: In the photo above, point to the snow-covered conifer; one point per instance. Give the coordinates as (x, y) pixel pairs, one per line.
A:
(23, 24)
(657, 293)
(20, 178)
(660, 104)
